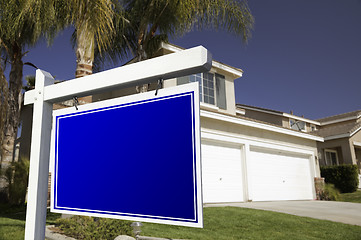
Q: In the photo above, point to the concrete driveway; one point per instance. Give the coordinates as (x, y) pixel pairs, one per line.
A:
(344, 212)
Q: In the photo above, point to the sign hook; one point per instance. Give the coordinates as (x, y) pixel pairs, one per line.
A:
(160, 84)
(76, 102)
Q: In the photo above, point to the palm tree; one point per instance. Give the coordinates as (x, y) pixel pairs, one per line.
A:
(92, 21)
(151, 22)
(17, 32)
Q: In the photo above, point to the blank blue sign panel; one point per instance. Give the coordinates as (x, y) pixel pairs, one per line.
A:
(134, 158)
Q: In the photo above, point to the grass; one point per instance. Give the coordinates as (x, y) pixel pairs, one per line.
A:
(219, 223)
(351, 197)
(11, 228)
(241, 223)
(12, 222)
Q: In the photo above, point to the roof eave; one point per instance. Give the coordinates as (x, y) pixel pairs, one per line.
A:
(263, 126)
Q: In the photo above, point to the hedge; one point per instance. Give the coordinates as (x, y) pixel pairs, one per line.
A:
(344, 177)
(88, 228)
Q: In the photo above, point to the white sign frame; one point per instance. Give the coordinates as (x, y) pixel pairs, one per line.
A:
(192, 90)
(46, 93)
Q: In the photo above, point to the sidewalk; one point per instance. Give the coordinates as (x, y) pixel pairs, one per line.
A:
(344, 212)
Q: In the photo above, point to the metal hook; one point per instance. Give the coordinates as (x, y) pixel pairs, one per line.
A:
(160, 83)
(76, 102)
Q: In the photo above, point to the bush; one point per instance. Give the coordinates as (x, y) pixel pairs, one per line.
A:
(16, 177)
(81, 227)
(344, 177)
(329, 193)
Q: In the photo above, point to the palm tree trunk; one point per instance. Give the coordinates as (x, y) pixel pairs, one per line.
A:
(84, 58)
(14, 103)
(141, 56)
(84, 54)
(3, 106)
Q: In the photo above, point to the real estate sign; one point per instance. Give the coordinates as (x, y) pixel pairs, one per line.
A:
(134, 158)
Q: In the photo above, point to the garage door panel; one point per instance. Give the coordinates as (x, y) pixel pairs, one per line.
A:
(279, 176)
(221, 172)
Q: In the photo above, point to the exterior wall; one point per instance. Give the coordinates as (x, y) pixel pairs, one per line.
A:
(258, 134)
(170, 83)
(231, 98)
(358, 159)
(341, 145)
(357, 150)
(285, 122)
(344, 147)
(248, 136)
(356, 137)
(308, 127)
(270, 118)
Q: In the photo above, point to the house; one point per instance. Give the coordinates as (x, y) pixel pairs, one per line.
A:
(342, 136)
(244, 159)
(341, 133)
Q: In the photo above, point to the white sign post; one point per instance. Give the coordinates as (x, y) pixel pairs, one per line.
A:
(46, 93)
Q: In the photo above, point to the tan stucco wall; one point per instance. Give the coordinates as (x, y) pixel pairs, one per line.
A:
(358, 158)
(356, 137)
(255, 134)
(266, 117)
(231, 96)
(346, 153)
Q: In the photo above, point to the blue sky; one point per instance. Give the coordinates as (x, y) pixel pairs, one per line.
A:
(304, 56)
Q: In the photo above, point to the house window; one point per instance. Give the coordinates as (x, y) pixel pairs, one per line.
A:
(331, 157)
(297, 125)
(212, 88)
(313, 128)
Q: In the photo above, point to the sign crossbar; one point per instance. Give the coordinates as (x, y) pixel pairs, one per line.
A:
(187, 62)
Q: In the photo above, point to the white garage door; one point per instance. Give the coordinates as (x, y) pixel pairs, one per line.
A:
(221, 172)
(279, 176)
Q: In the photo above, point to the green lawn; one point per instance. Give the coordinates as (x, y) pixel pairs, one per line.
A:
(11, 229)
(241, 223)
(351, 197)
(222, 223)
(12, 222)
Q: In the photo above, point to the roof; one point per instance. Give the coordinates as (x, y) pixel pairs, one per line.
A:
(347, 129)
(340, 117)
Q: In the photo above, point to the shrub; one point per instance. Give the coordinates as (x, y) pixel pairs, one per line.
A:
(329, 193)
(16, 177)
(344, 177)
(81, 227)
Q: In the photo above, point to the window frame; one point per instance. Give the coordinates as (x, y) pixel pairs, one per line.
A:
(296, 121)
(214, 94)
(329, 161)
(194, 77)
